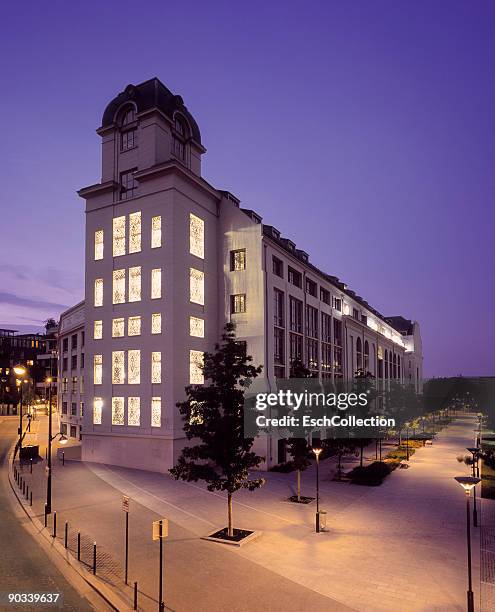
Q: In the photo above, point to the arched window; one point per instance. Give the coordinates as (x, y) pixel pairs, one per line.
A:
(359, 353)
(366, 355)
(394, 361)
(128, 128)
(180, 133)
(128, 116)
(386, 363)
(399, 373)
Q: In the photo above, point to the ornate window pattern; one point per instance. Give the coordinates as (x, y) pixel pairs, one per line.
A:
(98, 330)
(135, 284)
(134, 411)
(135, 232)
(98, 244)
(197, 286)
(196, 327)
(118, 287)
(196, 376)
(97, 410)
(156, 232)
(156, 323)
(118, 373)
(196, 236)
(134, 367)
(97, 369)
(98, 292)
(134, 326)
(117, 410)
(156, 412)
(118, 236)
(118, 329)
(156, 367)
(156, 283)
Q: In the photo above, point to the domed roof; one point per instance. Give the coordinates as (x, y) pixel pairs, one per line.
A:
(148, 95)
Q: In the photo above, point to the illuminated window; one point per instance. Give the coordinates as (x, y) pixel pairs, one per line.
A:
(134, 326)
(118, 329)
(134, 411)
(97, 369)
(119, 236)
(197, 286)
(135, 284)
(156, 412)
(196, 236)
(156, 232)
(156, 367)
(98, 330)
(135, 232)
(196, 376)
(118, 374)
(156, 283)
(238, 260)
(238, 303)
(134, 367)
(118, 286)
(196, 327)
(99, 244)
(156, 323)
(99, 292)
(97, 410)
(117, 410)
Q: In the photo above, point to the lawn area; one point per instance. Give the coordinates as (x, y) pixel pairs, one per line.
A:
(487, 481)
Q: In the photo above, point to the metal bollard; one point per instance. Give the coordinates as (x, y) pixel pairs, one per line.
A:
(94, 558)
(54, 534)
(27, 492)
(24, 487)
(63, 458)
(78, 545)
(45, 515)
(30, 498)
(15, 472)
(135, 596)
(31, 465)
(66, 533)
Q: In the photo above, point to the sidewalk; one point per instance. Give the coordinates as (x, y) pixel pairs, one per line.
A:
(400, 546)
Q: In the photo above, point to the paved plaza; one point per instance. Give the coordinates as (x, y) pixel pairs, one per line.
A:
(400, 546)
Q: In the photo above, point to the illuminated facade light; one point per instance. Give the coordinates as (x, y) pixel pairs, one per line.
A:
(134, 367)
(196, 359)
(98, 245)
(156, 283)
(97, 369)
(118, 286)
(134, 326)
(156, 367)
(117, 411)
(98, 297)
(97, 410)
(134, 411)
(197, 286)
(156, 323)
(135, 232)
(118, 242)
(156, 412)
(135, 284)
(118, 327)
(98, 330)
(196, 236)
(156, 232)
(196, 327)
(118, 372)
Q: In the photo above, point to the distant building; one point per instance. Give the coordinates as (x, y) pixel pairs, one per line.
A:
(71, 341)
(170, 259)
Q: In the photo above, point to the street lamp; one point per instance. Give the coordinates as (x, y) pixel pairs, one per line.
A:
(20, 372)
(407, 440)
(475, 453)
(467, 483)
(317, 452)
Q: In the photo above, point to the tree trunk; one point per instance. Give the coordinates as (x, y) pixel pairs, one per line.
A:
(231, 526)
(298, 485)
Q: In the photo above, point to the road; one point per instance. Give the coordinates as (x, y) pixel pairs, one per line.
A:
(24, 566)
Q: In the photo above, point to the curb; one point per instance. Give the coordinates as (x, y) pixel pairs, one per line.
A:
(112, 599)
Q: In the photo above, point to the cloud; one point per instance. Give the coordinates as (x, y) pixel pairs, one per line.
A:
(16, 300)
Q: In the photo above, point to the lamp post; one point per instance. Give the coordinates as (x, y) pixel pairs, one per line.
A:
(407, 440)
(20, 372)
(317, 452)
(467, 483)
(475, 453)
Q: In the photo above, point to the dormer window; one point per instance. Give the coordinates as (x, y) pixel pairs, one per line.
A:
(128, 129)
(179, 138)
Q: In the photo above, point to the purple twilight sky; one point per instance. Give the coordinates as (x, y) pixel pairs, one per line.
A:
(362, 130)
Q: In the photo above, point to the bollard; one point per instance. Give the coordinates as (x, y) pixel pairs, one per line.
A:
(94, 558)
(46, 453)
(30, 498)
(63, 458)
(45, 515)
(54, 534)
(24, 487)
(78, 545)
(27, 492)
(66, 533)
(15, 472)
(31, 465)
(135, 596)
(20, 482)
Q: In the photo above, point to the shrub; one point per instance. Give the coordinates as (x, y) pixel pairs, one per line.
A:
(285, 468)
(370, 475)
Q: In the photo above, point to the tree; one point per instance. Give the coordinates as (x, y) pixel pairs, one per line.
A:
(213, 416)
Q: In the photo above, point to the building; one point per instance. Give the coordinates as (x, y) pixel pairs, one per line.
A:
(47, 363)
(170, 259)
(71, 340)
